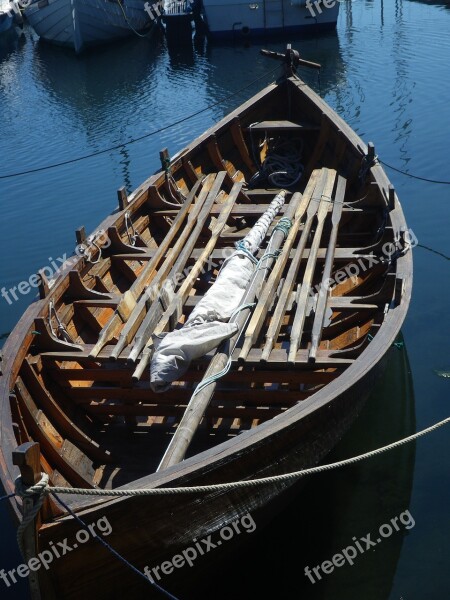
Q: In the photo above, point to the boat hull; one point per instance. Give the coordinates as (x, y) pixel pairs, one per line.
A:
(141, 532)
(80, 23)
(231, 19)
(150, 530)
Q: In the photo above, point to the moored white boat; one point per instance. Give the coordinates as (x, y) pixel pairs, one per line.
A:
(227, 18)
(82, 23)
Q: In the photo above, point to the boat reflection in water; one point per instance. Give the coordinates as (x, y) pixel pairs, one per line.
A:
(79, 24)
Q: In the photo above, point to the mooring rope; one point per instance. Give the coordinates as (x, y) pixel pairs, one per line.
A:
(145, 135)
(232, 485)
(420, 178)
(108, 546)
(39, 496)
(38, 492)
(125, 16)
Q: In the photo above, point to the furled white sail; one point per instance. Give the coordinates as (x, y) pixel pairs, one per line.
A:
(211, 322)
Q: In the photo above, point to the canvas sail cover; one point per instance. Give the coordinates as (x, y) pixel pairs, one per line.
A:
(210, 323)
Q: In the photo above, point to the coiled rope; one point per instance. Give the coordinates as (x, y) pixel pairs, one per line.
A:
(282, 166)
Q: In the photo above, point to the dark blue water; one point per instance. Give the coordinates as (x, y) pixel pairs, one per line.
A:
(386, 71)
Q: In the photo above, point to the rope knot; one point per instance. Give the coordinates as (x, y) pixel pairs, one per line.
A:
(38, 489)
(284, 225)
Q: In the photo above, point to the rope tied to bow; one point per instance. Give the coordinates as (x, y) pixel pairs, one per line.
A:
(37, 492)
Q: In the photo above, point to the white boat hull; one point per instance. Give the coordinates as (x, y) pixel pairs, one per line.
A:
(228, 18)
(82, 23)
(6, 16)
(6, 22)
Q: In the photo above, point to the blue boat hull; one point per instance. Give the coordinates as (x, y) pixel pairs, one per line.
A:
(6, 22)
(83, 23)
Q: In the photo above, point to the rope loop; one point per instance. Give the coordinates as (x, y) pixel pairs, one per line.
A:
(243, 248)
(38, 491)
(283, 225)
(61, 328)
(132, 234)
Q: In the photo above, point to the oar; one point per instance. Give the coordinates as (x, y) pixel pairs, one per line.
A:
(302, 301)
(182, 294)
(197, 213)
(265, 300)
(199, 401)
(128, 301)
(319, 314)
(288, 286)
(155, 311)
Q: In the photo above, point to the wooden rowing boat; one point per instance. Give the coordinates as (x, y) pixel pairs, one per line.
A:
(75, 394)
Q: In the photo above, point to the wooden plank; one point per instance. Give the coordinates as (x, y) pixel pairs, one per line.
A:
(54, 412)
(42, 435)
(155, 311)
(318, 179)
(199, 402)
(277, 358)
(129, 299)
(177, 395)
(176, 411)
(268, 293)
(283, 126)
(319, 313)
(123, 375)
(302, 302)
